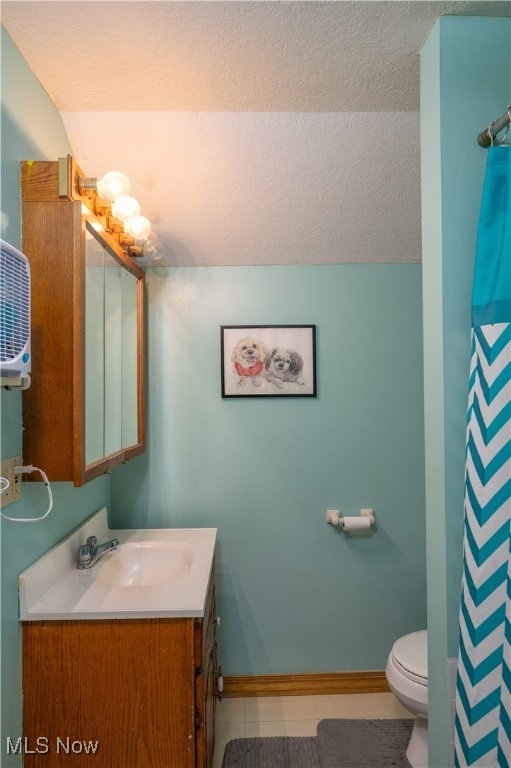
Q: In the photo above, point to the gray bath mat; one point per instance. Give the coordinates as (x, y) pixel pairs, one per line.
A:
(339, 744)
(272, 752)
(363, 743)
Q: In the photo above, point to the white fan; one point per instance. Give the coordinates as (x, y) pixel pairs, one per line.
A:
(15, 351)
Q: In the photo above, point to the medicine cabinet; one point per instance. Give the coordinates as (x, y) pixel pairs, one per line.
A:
(84, 412)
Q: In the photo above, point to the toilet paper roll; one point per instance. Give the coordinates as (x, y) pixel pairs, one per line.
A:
(355, 523)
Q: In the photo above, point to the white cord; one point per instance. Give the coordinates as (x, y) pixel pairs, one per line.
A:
(29, 469)
(4, 484)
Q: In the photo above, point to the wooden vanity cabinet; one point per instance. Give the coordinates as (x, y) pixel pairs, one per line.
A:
(132, 693)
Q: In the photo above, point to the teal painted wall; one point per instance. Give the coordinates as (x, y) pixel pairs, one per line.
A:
(31, 129)
(465, 83)
(293, 593)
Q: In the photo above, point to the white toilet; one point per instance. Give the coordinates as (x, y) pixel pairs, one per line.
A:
(407, 676)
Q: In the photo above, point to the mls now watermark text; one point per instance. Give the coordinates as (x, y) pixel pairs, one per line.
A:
(42, 746)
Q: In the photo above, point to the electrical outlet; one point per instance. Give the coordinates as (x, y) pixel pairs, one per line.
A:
(13, 492)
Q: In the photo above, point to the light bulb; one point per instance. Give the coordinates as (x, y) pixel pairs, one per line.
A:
(113, 184)
(138, 227)
(152, 247)
(125, 207)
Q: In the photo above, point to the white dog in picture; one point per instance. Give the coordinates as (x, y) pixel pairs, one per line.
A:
(248, 359)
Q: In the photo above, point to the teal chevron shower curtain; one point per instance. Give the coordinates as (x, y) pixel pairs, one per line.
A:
(483, 686)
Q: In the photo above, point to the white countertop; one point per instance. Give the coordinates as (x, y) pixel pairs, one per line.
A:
(55, 589)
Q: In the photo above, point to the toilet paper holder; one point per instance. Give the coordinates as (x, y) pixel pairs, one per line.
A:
(363, 522)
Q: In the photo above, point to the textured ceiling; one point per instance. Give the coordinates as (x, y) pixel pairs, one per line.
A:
(180, 95)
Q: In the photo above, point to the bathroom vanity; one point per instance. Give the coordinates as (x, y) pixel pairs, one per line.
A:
(126, 673)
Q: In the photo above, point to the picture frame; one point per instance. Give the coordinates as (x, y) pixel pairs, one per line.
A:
(268, 360)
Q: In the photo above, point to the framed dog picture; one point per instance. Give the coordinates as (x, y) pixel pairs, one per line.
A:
(268, 360)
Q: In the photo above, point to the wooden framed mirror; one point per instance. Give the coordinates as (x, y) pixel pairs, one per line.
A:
(84, 412)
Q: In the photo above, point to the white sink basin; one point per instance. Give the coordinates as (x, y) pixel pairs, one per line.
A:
(154, 573)
(144, 564)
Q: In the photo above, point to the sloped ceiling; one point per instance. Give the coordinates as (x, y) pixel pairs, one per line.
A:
(253, 132)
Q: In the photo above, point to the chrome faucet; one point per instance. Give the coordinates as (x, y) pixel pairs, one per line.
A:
(90, 552)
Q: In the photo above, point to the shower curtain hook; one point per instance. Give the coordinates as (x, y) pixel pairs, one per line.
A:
(490, 133)
(507, 126)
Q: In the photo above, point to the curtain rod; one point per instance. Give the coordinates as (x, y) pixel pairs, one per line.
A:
(485, 138)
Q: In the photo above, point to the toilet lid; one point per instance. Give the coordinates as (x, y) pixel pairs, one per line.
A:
(411, 653)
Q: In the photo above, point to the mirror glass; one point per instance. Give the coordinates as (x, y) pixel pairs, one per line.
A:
(94, 339)
(111, 381)
(129, 359)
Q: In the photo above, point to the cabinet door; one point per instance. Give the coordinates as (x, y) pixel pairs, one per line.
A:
(205, 692)
(127, 685)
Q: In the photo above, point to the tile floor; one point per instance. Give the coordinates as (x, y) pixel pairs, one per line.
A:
(294, 715)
